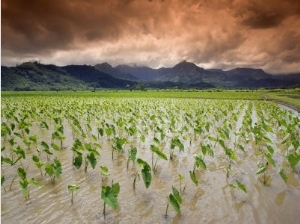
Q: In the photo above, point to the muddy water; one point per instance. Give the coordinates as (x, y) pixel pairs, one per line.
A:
(212, 201)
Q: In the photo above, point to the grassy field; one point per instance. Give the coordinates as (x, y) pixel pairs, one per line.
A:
(250, 95)
(289, 98)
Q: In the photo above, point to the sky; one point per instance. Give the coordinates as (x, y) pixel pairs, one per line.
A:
(221, 34)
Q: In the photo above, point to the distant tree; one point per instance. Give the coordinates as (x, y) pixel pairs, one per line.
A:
(141, 87)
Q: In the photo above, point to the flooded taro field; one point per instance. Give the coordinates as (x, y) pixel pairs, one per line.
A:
(97, 160)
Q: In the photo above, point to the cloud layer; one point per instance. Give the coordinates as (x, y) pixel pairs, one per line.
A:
(213, 34)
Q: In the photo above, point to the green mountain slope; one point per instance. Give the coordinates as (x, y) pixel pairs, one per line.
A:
(36, 76)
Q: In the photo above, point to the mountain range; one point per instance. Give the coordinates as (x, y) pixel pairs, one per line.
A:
(37, 76)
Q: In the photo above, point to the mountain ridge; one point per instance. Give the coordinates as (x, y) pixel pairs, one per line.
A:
(37, 76)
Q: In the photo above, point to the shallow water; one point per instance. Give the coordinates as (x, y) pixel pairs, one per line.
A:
(212, 201)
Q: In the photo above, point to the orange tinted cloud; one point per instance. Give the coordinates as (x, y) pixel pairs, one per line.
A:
(222, 34)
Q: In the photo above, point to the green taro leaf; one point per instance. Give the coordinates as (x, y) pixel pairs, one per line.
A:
(176, 142)
(39, 164)
(222, 143)
(56, 147)
(18, 135)
(116, 188)
(34, 182)
(146, 172)
(33, 138)
(22, 173)
(270, 159)
(156, 140)
(194, 178)
(100, 131)
(241, 148)
(92, 160)
(204, 149)
(176, 194)
(20, 152)
(24, 186)
(132, 154)
(174, 203)
(267, 128)
(57, 167)
(283, 175)
(158, 152)
(110, 195)
(231, 154)
(7, 160)
(44, 125)
(293, 159)
(35, 158)
(45, 146)
(73, 187)
(212, 138)
(270, 148)
(262, 169)
(12, 142)
(2, 179)
(143, 138)
(78, 161)
(27, 143)
(199, 161)
(147, 176)
(241, 186)
(104, 170)
(49, 170)
(267, 139)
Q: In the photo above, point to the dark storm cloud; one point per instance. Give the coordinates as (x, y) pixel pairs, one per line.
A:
(265, 14)
(154, 33)
(40, 25)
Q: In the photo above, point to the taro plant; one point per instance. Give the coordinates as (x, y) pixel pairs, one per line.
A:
(132, 156)
(46, 149)
(262, 170)
(31, 140)
(59, 136)
(146, 173)
(73, 188)
(2, 182)
(239, 185)
(263, 166)
(53, 169)
(175, 200)
(91, 156)
(175, 142)
(109, 195)
(283, 175)
(24, 182)
(199, 162)
(193, 177)
(87, 151)
(230, 154)
(104, 172)
(181, 178)
(207, 149)
(293, 159)
(110, 130)
(159, 154)
(118, 145)
(39, 164)
(11, 161)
